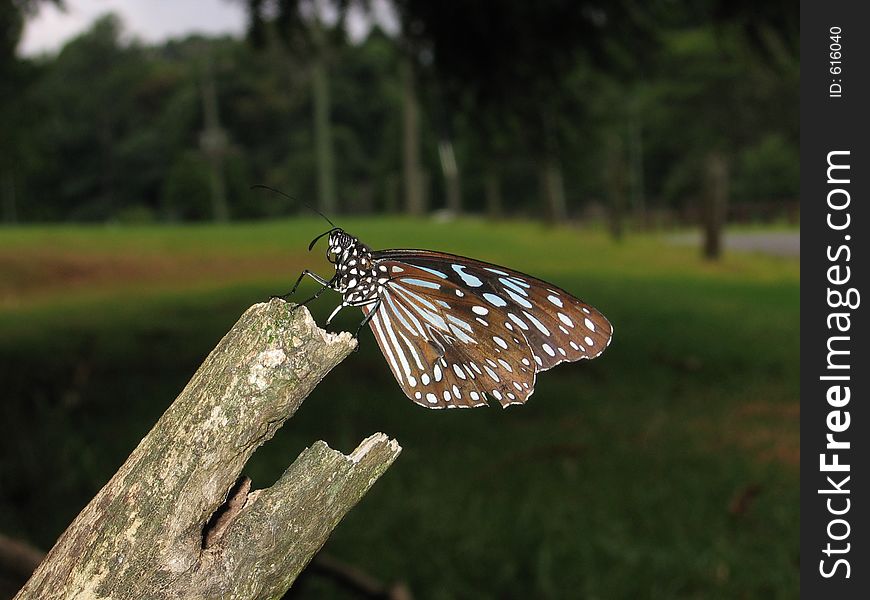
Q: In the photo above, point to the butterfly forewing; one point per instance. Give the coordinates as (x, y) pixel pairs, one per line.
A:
(446, 346)
(557, 326)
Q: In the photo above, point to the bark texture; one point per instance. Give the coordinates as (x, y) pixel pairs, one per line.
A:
(176, 521)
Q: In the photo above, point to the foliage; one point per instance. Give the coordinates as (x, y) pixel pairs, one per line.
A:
(108, 123)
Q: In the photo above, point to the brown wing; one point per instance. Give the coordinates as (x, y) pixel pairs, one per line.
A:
(557, 326)
(448, 348)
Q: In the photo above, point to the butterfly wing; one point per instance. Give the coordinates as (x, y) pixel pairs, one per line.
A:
(446, 348)
(557, 326)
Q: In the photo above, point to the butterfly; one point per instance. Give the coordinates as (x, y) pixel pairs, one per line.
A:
(457, 331)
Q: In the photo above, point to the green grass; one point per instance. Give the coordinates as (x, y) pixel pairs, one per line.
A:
(614, 481)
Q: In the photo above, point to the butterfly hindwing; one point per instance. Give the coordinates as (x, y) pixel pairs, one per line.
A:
(446, 347)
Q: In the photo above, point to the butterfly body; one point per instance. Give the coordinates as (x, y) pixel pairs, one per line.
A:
(356, 277)
(456, 331)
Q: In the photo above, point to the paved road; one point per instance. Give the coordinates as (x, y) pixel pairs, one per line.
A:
(774, 243)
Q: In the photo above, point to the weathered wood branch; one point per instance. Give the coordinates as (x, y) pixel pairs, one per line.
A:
(176, 521)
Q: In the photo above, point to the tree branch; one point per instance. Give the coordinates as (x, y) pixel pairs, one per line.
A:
(176, 521)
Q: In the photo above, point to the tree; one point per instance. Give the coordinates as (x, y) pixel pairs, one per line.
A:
(712, 98)
(96, 151)
(508, 61)
(415, 200)
(16, 77)
(727, 66)
(303, 27)
(213, 140)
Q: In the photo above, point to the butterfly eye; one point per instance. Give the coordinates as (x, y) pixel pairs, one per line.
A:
(332, 256)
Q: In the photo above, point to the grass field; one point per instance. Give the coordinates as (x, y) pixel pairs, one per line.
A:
(666, 468)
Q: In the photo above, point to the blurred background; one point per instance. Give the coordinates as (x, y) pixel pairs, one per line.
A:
(642, 155)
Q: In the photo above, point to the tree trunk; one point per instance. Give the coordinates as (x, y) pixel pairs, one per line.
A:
(326, 199)
(715, 203)
(450, 171)
(415, 202)
(7, 194)
(638, 183)
(213, 142)
(176, 521)
(554, 190)
(492, 192)
(392, 191)
(616, 186)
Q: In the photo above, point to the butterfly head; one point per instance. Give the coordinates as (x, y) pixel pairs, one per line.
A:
(354, 270)
(344, 250)
(340, 247)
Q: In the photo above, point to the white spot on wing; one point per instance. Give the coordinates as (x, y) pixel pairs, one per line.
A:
(422, 283)
(468, 278)
(494, 299)
(537, 323)
(387, 346)
(522, 324)
(480, 310)
(519, 282)
(518, 299)
(459, 322)
(511, 284)
(555, 300)
(434, 272)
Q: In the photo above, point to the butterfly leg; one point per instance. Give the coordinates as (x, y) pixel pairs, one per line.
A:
(367, 318)
(335, 312)
(323, 282)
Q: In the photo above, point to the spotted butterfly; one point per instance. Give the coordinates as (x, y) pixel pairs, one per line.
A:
(455, 330)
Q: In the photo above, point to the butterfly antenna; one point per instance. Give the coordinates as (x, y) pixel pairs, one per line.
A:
(314, 241)
(271, 189)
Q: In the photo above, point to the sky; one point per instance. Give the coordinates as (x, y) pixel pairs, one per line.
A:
(157, 20)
